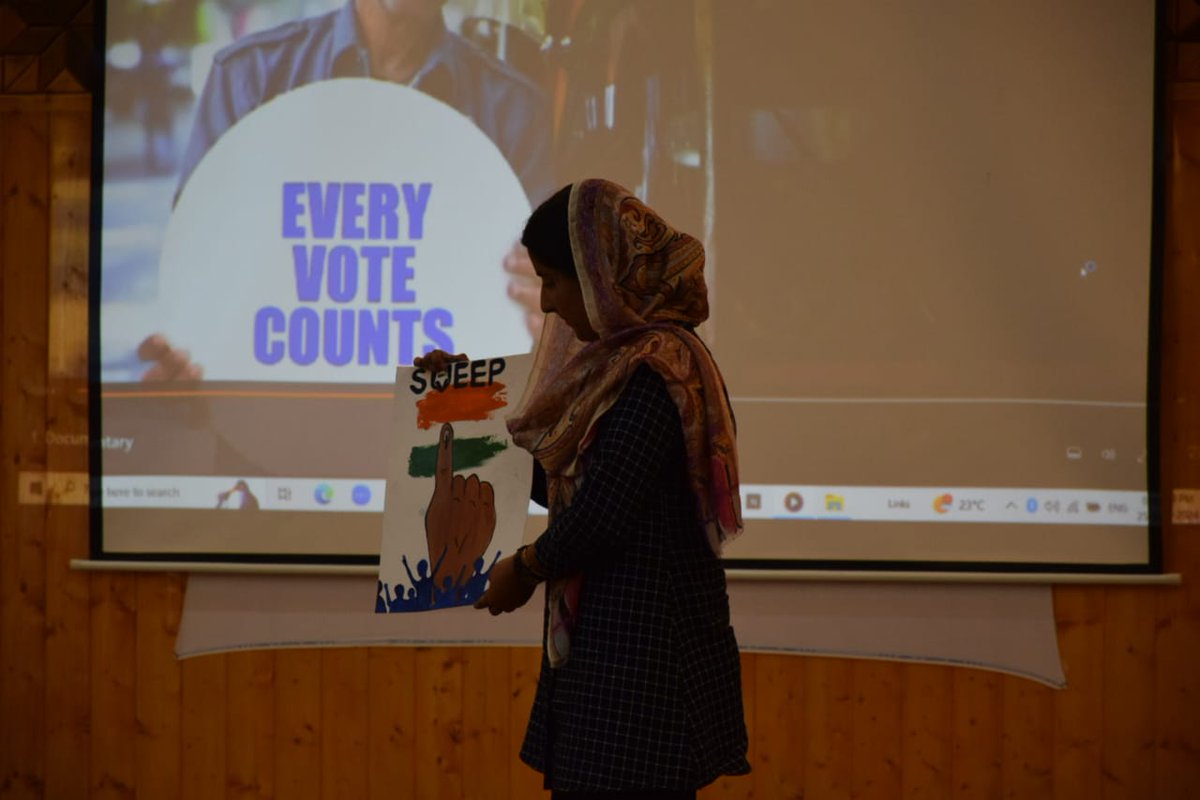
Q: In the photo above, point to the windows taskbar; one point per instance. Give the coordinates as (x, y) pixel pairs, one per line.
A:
(958, 504)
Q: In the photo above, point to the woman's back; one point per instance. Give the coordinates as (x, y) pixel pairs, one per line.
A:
(645, 699)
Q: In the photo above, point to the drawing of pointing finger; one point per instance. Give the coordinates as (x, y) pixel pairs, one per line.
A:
(460, 519)
(444, 473)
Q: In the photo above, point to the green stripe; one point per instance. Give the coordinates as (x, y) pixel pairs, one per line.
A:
(468, 454)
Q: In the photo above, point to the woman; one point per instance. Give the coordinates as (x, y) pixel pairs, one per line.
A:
(627, 417)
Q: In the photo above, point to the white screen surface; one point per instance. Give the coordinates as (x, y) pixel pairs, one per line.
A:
(929, 234)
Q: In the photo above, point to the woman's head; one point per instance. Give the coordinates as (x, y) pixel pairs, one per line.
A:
(547, 234)
(610, 263)
(547, 237)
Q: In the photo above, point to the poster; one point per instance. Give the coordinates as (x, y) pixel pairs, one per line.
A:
(458, 487)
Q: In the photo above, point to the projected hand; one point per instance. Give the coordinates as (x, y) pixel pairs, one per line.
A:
(525, 287)
(460, 520)
(168, 363)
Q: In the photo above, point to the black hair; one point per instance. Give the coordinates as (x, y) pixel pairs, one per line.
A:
(547, 234)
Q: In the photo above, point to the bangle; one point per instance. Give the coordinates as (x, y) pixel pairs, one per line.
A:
(524, 570)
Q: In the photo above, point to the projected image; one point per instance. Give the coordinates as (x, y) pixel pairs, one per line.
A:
(535, 92)
(928, 237)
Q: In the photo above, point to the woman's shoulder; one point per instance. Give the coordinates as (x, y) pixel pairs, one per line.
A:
(647, 383)
(645, 398)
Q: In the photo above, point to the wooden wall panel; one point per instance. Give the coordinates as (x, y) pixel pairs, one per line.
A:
(828, 728)
(22, 560)
(975, 722)
(877, 719)
(113, 664)
(487, 762)
(779, 705)
(1027, 739)
(1127, 667)
(204, 722)
(159, 690)
(1077, 711)
(438, 704)
(94, 704)
(1177, 685)
(251, 732)
(392, 729)
(68, 634)
(298, 731)
(926, 754)
(344, 756)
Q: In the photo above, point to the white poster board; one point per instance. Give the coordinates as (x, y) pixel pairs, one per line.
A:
(458, 488)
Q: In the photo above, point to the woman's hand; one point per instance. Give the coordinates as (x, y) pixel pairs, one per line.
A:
(507, 590)
(436, 361)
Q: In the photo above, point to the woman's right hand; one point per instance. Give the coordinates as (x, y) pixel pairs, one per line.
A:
(436, 361)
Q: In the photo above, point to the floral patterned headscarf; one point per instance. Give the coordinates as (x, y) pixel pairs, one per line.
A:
(644, 291)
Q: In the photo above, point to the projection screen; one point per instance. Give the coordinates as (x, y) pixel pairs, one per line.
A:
(929, 229)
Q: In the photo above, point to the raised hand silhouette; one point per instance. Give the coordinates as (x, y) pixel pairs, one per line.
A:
(460, 519)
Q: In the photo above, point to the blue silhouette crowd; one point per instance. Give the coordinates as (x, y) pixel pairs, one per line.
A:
(422, 595)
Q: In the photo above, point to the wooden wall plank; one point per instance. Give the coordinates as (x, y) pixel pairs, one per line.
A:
(439, 715)
(250, 756)
(1127, 743)
(391, 724)
(67, 630)
(113, 662)
(780, 704)
(23, 423)
(877, 722)
(1177, 610)
(158, 689)
(975, 728)
(1177, 681)
(828, 728)
(1027, 741)
(926, 753)
(203, 725)
(487, 758)
(298, 724)
(67, 279)
(1077, 709)
(8, 571)
(344, 757)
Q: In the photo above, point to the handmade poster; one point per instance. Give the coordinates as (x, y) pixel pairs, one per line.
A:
(458, 488)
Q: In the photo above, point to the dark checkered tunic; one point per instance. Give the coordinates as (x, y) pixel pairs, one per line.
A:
(650, 697)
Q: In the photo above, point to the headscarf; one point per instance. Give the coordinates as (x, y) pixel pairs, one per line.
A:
(643, 288)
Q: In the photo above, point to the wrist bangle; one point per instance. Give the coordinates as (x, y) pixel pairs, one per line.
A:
(524, 570)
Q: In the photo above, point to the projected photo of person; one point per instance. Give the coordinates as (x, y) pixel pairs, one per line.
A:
(402, 41)
(559, 88)
(398, 42)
